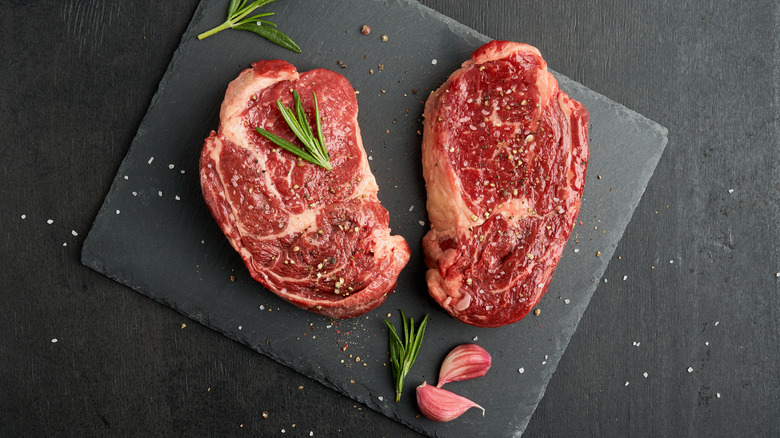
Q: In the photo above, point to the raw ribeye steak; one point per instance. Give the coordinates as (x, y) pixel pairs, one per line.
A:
(317, 238)
(504, 159)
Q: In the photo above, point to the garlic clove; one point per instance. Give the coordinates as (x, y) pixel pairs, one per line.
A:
(467, 361)
(441, 405)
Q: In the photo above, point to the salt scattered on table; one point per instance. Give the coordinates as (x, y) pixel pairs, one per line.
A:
(645, 374)
(150, 160)
(74, 232)
(567, 301)
(731, 190)
(475, 338)
(625, 277)
(422, 223)
(380, 398)
(135, 193)
(50, 221)
(411, 207)
(690, 369)
(576, 250)
(433, 61)
(177, 198)
(126, 178)
(24, 216)
(171, 166)
(117, 212)
(64, 243)
(54, 341)
(626, 383)
(521, 370)
(159, 193)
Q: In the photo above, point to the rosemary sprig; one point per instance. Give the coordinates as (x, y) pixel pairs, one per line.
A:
(238, 18)
(314, 150)
(403, 354)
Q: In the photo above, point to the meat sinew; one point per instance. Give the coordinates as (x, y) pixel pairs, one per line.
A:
(317, 238)
(504, 159)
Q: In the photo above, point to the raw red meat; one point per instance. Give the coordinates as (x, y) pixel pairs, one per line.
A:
(318, 239)
(504, 159)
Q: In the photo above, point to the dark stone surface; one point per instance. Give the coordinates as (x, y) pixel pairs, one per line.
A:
(79, 77)
(154, 234)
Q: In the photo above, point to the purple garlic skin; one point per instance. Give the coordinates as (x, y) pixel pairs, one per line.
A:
(441, 405)
(467, 361)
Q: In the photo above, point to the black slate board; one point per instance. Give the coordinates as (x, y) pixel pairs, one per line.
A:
(154, 233)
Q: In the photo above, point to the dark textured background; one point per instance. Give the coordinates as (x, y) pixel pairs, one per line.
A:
(700, 255)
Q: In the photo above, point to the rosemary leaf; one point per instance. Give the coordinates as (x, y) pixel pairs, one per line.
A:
(314, 149)
(403, 354)
(238, 18)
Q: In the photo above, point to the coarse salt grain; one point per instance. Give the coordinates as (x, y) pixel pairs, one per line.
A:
(718, 395)
(370, 158)
(411, 208)
(74, 232)
(380, 398)
(54, 341)
(690, 369)
(24, 216)
(567, 301)
(576, 250)
(240, 327)
(171, 166)
(626, 383)
(433, 61)
(776, 275)
(521, 370)
(731, 190)
(135, 193)
(422, 223)
(262, 307)
(605, 280)
(126, 178)
(644, 374)
(625, 277)
(150, 160)
(64, 243)
(177, 198)
(716, 323)
(117, 212)
(475, 338)
(49, 221)
(159, 193)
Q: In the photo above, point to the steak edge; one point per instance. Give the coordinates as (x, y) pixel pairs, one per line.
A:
(318, 239)
(504, 157)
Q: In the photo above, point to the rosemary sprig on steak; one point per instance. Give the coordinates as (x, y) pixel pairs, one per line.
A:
(315, 150)
(238, 18)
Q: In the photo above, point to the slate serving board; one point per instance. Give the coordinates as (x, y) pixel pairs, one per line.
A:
(155, 235)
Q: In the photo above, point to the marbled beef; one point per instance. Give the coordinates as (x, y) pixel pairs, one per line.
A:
(317, 238)
(504, 159)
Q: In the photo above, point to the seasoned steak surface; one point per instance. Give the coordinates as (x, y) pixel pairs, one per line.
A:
(504, 159)
(318, 239)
